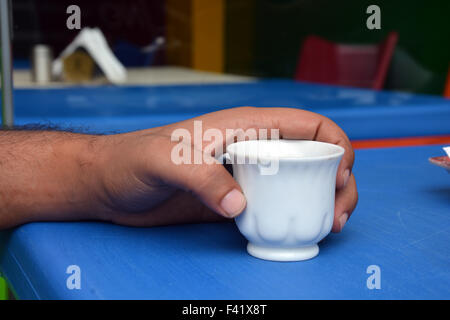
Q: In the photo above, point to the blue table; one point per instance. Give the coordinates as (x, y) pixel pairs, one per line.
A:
(402, 225)
(363, 114)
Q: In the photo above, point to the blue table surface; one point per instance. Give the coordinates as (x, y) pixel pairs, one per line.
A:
(401, 224)
(363, 114)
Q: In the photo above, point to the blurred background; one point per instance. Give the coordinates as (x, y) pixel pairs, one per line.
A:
(379, 70)
(258, 38)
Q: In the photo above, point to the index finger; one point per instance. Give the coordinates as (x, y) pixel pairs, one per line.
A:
(291, 123)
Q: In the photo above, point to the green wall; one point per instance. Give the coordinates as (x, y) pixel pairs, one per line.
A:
(278, 27)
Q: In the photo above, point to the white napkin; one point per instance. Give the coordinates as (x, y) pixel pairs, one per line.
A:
(447, 151)
(94, 42)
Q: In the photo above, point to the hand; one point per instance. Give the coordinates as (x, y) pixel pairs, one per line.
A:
(142, 186)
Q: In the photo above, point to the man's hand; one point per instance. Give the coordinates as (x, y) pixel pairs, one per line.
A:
(131, 179)
(145, 187)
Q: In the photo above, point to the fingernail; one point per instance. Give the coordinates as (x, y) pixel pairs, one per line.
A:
(343, 219)
(345, 176)
(233, 203)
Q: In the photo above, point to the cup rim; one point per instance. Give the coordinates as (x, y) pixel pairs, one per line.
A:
(336, 154)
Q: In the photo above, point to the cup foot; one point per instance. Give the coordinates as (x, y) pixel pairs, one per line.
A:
(283, 254)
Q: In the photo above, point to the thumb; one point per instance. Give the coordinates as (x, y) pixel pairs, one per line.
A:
(211, 183)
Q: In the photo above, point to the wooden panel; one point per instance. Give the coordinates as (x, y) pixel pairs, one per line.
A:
(179, 32)
(208, 35)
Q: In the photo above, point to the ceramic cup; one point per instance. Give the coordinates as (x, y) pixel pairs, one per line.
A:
(290, 187)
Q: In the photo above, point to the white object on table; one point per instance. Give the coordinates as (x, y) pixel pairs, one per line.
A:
(290, 187)
(94, 42)
(447, 151)
(42, 59)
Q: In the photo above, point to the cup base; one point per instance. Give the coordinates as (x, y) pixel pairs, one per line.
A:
(283, 254)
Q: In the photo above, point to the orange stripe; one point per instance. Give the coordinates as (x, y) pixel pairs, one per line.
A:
(400, 142)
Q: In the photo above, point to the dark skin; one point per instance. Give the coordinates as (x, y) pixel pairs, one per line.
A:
(129, 178)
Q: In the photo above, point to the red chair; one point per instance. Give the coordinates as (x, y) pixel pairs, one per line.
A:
(447, 85)
(341, 64)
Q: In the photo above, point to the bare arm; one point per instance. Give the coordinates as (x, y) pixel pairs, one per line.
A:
(47, 175)
(130, 179)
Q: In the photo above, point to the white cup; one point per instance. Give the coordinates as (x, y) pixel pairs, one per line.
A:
(290, 187)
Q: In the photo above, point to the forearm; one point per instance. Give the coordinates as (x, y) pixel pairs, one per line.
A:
(47, 175)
